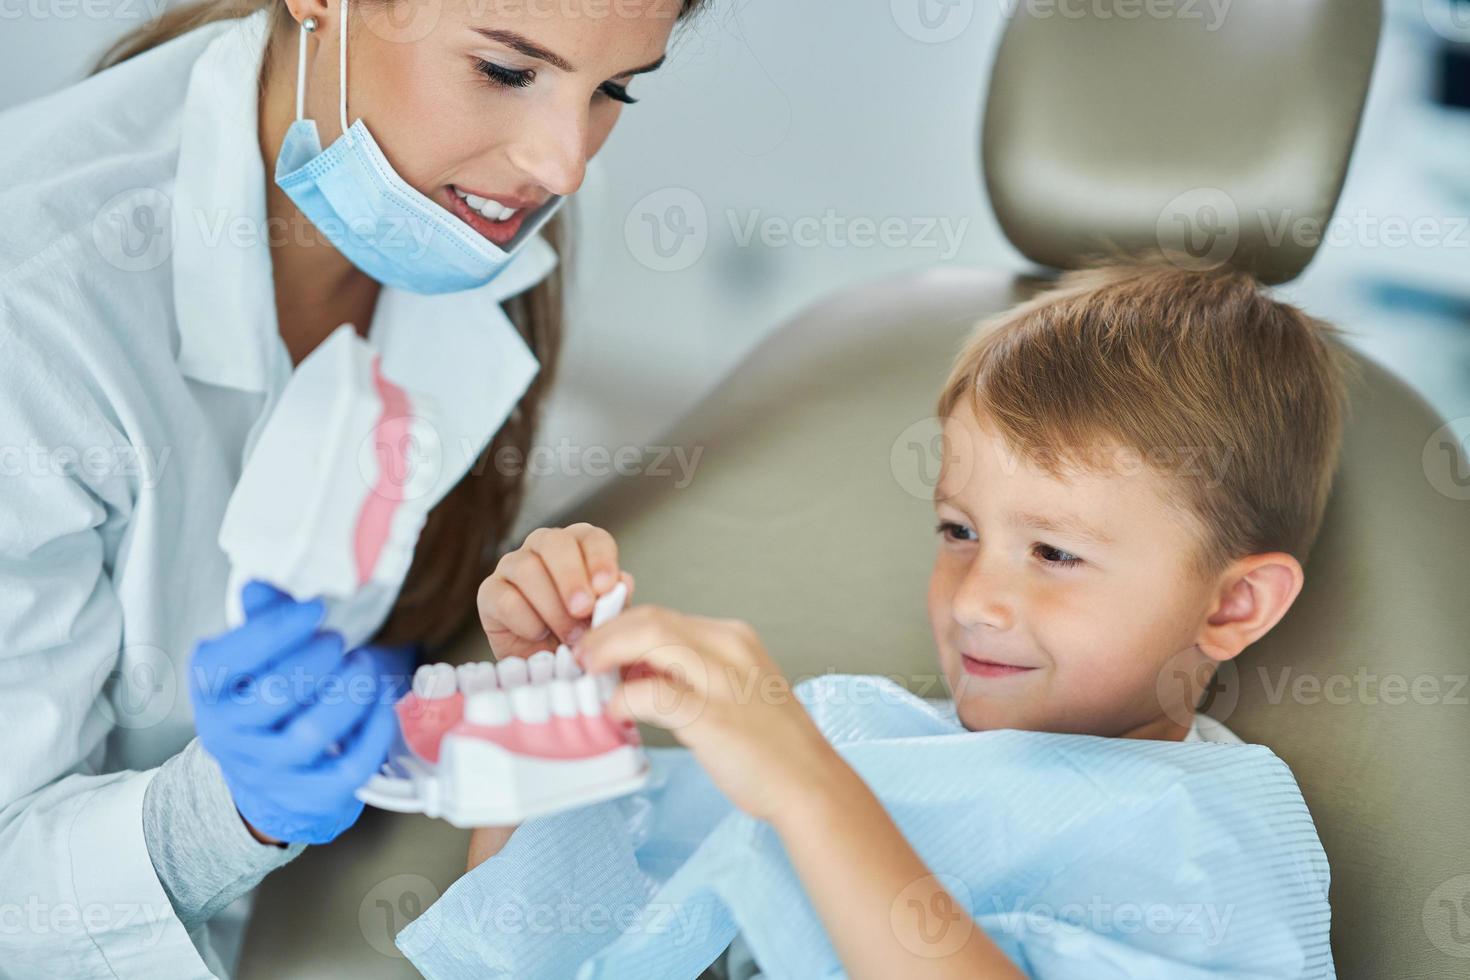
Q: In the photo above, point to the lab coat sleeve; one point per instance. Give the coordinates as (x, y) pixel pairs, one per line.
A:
(79, 896)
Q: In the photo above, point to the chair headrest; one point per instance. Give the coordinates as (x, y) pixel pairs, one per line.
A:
(1221, 128)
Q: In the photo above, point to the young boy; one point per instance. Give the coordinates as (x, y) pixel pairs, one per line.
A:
(1136, 464)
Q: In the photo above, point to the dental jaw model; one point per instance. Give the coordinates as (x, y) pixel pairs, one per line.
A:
(336, 489)
(497, 744)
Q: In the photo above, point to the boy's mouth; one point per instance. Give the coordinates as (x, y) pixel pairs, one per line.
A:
(977, 667)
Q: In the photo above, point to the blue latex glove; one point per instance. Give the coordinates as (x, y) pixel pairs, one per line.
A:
(296, 724)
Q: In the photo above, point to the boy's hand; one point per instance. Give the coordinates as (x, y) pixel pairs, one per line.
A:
(713, 685)
(546, 588)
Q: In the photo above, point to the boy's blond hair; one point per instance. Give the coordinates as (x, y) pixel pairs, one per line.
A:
(1169, 362)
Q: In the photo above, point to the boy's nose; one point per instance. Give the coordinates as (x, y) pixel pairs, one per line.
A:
(983, 599)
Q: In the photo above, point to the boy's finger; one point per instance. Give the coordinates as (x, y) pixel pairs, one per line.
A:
(655, 700)
(533, 580)
(504, 609)
(640, 641)
(600, 554)
(562, 557)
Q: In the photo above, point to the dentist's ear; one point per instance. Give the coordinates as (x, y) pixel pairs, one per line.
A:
(323, 10)
(1253, 594)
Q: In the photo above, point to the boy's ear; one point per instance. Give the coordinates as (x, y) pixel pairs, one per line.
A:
(1254, 593)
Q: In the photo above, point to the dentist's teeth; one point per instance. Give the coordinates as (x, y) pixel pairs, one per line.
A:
(606, 684)
(476, 677)
(531, 703)
(566, 664)
(487, 708)
(542, 665)
(487, 208)
(511, 672)
(563, 699)
(588, 703)
(434, 681)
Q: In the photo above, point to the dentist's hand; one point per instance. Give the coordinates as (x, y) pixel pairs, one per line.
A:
(546, 588)
(295, 725)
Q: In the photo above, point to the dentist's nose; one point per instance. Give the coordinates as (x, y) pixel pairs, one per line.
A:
(984, 598)
(552, 150)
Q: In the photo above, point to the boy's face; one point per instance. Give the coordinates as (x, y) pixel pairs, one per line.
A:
(1058, 604)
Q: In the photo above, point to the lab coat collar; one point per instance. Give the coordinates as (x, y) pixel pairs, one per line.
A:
(222, 280)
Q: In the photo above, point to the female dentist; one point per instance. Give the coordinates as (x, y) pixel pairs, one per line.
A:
(180, 231)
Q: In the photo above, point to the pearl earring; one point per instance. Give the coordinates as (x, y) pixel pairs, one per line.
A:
(309, 25)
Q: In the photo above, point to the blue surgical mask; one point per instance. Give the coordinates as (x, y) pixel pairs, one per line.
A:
(373, 216)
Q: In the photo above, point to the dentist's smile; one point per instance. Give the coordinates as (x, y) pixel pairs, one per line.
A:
(495, 219)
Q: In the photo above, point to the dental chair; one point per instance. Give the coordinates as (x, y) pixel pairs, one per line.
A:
(809, 512)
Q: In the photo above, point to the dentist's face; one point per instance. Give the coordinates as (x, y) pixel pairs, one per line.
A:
(488, 107)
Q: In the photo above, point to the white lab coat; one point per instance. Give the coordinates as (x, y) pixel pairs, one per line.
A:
(139, 351)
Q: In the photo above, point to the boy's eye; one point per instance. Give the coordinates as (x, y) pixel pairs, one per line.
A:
(954, 532)
(1055, 556)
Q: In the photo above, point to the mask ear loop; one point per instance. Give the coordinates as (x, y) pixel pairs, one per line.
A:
(308, 26)
(342, 69)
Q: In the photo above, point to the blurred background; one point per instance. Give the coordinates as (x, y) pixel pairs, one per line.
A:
(749, 181)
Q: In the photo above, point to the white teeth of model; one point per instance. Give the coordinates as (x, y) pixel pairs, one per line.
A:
(563, 699)
(542, 665)
(511, 672)
(475, 677)
(434, 681)
(566, 664)
(487, 708)
(531, 703)
(605, 686)
(588, 703)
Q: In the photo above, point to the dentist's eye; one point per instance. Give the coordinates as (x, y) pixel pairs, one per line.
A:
(954, 532)
(617, 92)
(501, 75)
(1055, 556)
